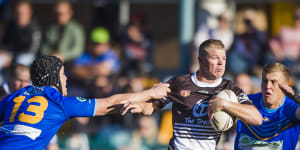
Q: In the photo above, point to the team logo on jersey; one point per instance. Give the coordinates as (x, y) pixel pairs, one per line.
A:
(266, 119)
(200, 108)
(81, 99)
(185, 93)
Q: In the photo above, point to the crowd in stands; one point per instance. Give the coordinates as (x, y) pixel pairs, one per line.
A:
(95, 69)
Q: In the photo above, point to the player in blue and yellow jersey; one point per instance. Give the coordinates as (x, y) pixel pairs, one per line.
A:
(281, 115)
(32, 115)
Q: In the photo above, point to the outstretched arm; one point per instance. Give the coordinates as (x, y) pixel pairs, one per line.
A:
(245, 112)
(107, 105)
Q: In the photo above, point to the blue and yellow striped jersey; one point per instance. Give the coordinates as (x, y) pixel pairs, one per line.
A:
(279, 129)
(33, 115)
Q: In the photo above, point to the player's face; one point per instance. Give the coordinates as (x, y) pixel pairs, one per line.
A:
(22, 79)
(214, 63)
(63, 81)
(272, 94)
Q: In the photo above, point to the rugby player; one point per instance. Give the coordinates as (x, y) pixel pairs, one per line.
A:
(33, 114)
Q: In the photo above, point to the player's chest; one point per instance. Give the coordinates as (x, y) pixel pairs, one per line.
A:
(188, 99)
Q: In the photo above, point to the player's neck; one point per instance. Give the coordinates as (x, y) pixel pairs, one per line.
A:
(275, 103)
(203, 78)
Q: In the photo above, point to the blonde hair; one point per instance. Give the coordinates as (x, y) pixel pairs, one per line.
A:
(206, 45)
(278, 67)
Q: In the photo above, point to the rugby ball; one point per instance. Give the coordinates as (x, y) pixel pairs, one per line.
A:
(222, 121)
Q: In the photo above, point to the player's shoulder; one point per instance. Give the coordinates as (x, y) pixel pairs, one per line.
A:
(228, 84)
(255, 96)
(47, 92)
(51, 92)
(180, 81)
(290, 101)
(181, 78)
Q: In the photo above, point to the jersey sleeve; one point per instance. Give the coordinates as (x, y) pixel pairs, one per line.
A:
(242, 96)
(161, 103)
(79, 107)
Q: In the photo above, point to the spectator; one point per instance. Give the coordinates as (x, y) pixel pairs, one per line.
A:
(18, 76)
(66, 37)
(96, 64)
(22, 35)
(78, 139)
(145, 136)
(223, 32)
(244, 82)
(100, 59)
(248, 48)
(286, 47)
(137, 51)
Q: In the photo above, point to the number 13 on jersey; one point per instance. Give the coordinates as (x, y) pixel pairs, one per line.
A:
(37, 110)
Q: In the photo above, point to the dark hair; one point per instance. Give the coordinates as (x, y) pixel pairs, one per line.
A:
(206, 45)
(44, 71)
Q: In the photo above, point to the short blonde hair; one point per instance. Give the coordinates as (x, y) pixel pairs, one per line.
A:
(210, 43)
(278, 67)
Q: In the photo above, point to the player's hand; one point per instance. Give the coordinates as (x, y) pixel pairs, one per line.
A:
(133, 107)
(287, 90)
(160, 90)
(146, 108)
(214, 105)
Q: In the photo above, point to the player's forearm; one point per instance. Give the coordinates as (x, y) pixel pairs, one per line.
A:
(141, 96)
(247, 113)
(107, 105)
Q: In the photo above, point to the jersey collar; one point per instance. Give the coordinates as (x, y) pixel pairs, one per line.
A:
(268, 110)
(203, 84)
